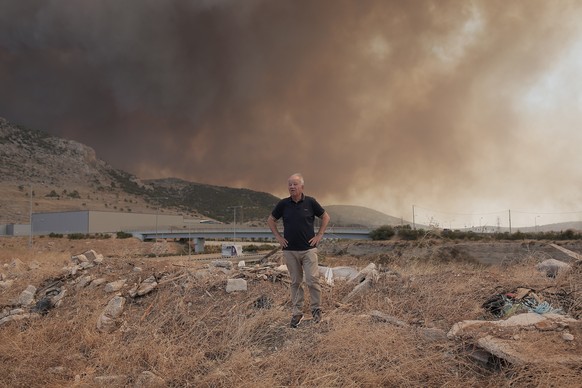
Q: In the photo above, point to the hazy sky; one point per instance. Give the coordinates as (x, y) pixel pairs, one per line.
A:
(465, 109)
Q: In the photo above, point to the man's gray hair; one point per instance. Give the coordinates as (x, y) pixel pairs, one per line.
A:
(298, 175)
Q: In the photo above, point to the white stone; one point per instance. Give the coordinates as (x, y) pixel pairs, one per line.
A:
(26, 298)
(84, 281)
(77, 259)
(114, 308)
(527, 319)
(6, 283)
(221, 264)
(107, 321)
(552, 267)
(91, 255)
(233, 285)
(568, 337)
(115, 286)
(147, 286)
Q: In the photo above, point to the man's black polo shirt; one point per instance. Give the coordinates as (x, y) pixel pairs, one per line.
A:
(298, 221)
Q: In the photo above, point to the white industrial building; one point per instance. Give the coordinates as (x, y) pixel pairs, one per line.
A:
(90, 221)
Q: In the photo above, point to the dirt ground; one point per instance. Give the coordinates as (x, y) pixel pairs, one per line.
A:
(190, 332)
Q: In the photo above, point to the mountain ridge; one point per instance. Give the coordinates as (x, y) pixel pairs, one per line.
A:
(40, 172)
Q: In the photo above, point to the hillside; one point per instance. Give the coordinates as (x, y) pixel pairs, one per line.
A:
(347, 215)
(64, 175)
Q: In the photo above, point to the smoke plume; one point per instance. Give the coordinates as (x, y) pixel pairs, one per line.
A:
(459, 106)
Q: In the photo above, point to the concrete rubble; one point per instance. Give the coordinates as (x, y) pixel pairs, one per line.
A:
(553, 267)
(108, 320)
(145, 287)
(233, 285)
(115, 286)
(33, 303)
(516, 340)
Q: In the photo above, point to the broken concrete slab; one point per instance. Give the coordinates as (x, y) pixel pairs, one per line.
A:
(145, 287)
(528, 338)
(18, 317)
(233, 285)
(115, 286)
(553, 267)
(363, 274)
(26, 297)
(6, 283)
(221, 264)
(107, 321)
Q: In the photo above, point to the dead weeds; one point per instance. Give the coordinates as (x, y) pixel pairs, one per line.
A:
(190, 332)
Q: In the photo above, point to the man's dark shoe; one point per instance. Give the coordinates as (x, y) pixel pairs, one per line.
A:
(296, 320)
(316, 313)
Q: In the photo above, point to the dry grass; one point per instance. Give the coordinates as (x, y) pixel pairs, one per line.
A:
(191, 332)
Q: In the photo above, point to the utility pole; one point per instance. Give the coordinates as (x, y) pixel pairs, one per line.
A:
(413, 220)
(509, 221)
(234, 219)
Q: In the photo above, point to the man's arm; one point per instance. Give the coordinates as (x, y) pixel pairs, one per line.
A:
(272, 222)
(324, 222)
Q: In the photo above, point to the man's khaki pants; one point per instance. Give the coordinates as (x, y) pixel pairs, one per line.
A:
(298, 264)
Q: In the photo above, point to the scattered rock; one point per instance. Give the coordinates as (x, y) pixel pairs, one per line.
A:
(363, 280)
(34, 265)
(221, 264)
(93, 256)
(145, 287)
(115, 286)
(233, 285)
(107, 321)
(16, 266)
(344, 273)
(6, 283)
(84, 281)
(57, 299)
(16, 315)
(86, 265)
(78, 259)
(26, 298)
(567, 337)
(512, 339)
(553, 267)
(97, 282)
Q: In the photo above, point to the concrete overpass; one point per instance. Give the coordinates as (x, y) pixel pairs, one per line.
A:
(201, 234)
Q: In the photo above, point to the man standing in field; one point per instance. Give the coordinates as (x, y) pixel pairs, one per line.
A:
(299, 245)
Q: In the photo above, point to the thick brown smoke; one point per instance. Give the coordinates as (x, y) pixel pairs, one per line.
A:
(453, 105)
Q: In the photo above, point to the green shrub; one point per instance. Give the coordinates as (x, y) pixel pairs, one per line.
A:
(122, 235)
(74, 194)
(405, 232)
(52, 194)
(384, 232)
(77, 236)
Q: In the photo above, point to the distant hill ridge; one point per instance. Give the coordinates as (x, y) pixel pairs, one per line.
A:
(67, 175)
